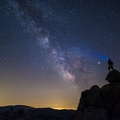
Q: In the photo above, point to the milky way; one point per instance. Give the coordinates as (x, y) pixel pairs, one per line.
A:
(73, 65)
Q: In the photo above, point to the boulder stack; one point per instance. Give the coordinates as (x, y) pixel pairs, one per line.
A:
(100, 103)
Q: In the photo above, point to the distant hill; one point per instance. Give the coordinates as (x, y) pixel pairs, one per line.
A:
(21, 112)
(16, 107)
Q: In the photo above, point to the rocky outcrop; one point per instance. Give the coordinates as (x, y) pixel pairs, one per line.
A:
(100, 103)
(113, 76)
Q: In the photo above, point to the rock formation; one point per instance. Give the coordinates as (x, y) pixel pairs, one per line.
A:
(100, 103)
(113, 76)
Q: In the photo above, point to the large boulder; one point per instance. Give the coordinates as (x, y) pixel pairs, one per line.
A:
(113, 76)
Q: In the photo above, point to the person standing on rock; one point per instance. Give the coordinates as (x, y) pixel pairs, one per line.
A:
(110, 65)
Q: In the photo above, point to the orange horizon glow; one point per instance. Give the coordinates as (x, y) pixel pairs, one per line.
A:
(56, 108)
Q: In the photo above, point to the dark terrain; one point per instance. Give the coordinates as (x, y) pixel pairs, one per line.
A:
(20, 112)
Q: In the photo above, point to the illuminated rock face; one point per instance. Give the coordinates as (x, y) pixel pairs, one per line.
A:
(99, 103)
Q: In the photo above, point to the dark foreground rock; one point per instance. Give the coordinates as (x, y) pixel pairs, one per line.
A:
(113, 76)
(99, 103)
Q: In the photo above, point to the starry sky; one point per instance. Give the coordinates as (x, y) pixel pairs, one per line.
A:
(52, 50)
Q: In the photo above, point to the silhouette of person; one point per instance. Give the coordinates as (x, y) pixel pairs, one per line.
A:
(110, 65)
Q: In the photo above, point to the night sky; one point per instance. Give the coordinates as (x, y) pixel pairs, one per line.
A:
(52, 50)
